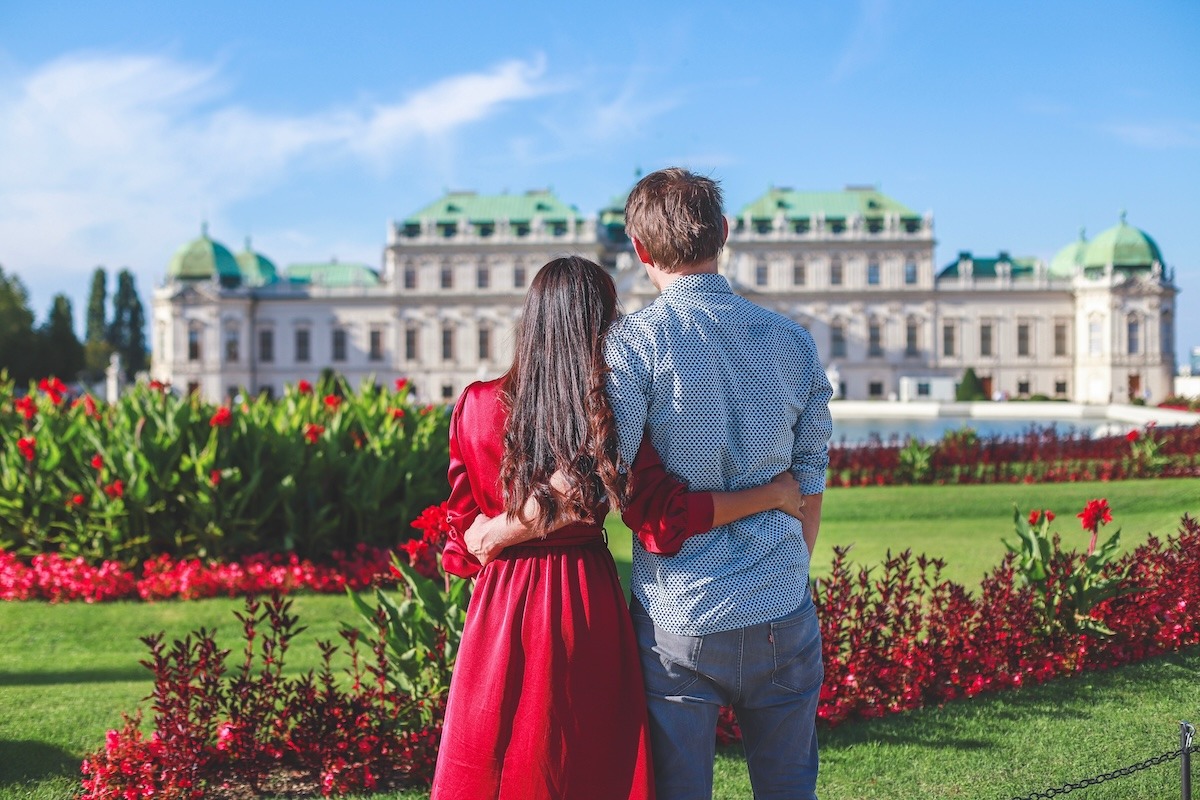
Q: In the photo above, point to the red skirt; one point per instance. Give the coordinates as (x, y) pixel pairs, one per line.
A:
(546, 700)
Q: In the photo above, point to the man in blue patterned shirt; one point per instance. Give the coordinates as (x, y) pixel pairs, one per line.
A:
(731, 394)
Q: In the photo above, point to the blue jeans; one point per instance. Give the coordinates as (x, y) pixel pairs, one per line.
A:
(770, 673)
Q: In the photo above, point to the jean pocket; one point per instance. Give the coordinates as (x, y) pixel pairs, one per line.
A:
(797, 646)
(669, 660)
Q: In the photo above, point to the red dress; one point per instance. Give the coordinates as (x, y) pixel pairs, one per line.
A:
(546, 701)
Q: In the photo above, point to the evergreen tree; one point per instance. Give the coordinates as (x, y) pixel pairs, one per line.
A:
(127, 333)
(971, 388)
(18, 340)
(97, 348)
(62, 354)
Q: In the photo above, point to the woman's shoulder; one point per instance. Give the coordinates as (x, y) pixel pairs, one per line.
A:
(481, 392)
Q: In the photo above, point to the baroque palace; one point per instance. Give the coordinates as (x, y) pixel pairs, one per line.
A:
(1094, 325)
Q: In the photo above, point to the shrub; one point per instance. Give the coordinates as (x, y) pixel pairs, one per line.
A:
(321, 469)
(256, 732)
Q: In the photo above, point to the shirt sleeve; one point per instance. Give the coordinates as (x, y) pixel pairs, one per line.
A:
(462, 509)
(660, 510)
(628, 386)
(814, 426)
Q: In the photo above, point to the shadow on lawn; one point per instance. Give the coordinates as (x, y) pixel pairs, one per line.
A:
(25, 761)
(51, 678)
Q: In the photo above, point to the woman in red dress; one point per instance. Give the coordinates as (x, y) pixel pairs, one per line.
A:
(546, 700)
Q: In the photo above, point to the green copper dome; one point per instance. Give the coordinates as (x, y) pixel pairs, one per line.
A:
(1069, 259)
(1123, 246)
(256, 269)
(204, 259)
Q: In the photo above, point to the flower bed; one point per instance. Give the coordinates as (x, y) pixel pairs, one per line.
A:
(1040, 455)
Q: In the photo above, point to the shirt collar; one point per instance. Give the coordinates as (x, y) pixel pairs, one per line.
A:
(697, 284)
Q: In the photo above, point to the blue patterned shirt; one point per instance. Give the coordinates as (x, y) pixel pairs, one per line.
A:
(732, 394)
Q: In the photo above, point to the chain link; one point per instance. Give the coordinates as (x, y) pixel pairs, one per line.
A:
(1123, 772)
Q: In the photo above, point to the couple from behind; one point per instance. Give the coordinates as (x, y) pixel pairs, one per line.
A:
(704, 419)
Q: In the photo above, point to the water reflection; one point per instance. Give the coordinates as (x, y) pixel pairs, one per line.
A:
(860, 431)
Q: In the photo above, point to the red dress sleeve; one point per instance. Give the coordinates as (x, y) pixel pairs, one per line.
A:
(660, 510)
(462, 506)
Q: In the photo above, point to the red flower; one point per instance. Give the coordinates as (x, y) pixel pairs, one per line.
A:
(1132, 436)
(76, 500)
(332, 402)
(415, 549)
(397, 413)
(115, 489)
(26, 445)
(158, 386)
(426, 409)
(222, 419)
(401, 384)
(89, 407)
(214, 477)
(1095, 514)
(26, 407)
(312, 432)
(304, 387)
(1034, 516)
(1050, 516)
(98, 461)
(54, 388)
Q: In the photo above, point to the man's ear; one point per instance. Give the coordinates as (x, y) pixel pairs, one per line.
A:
(724, 229)
(642, 254)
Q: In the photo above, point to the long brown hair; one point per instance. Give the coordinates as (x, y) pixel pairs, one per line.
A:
(559, 417)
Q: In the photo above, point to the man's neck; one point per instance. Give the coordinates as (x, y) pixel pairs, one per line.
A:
(662, 279)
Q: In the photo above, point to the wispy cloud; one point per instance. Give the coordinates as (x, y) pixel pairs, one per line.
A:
(866, 40)
(115, 158)
(1157, 135)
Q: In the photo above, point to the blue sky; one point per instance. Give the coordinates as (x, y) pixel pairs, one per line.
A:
(310, 125)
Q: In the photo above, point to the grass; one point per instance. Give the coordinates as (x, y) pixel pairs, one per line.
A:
(67, 672)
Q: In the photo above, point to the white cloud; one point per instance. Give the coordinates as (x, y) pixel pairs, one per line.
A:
(1157, 135)
(866, 41)
(116, 159)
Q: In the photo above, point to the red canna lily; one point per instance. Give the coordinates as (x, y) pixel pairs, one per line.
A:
(214, 477)
(27, 445)
(1132, 436)
(26, 407)
(332, 402)
(54, 389)
(401, 384)
(115, 489)
(98, 461)
(222, 419)
(304, 387)
(312, 432)
(397, 413)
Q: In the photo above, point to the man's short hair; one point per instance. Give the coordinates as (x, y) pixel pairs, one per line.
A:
(677, 217)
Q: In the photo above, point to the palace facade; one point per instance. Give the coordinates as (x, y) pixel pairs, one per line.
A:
(857, 268)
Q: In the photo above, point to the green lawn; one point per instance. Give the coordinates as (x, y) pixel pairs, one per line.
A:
(67, 672)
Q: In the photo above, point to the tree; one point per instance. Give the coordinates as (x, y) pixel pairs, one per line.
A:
(97, 348)
(62, 354)
(127, 332)
(18, 340)
(971, 388)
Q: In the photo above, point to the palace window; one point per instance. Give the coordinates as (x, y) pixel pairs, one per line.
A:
(835, 273)
(1023, 387)
(447, 276)
(948, 346)
(447, 343)
(266, 346)
(193, 345)
(303, 346)
(799, 273)
(875, 339)
(410, 276)
(483, 277)
(1133, 334)
(875, 389)
(1024, 345)
(1060, 388)
(985, 339)
(233, 341)
(410, 343)
(873, 273)
(760, 272)
(485, 344)
(339, 344)
(376, 345)
(1060, 338)
(911, 338)
(447, 391)
(910, 273)
(837, 340)
(1095, 337)
(519, 276)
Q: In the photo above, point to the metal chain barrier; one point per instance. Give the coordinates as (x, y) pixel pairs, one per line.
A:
(1187, 733)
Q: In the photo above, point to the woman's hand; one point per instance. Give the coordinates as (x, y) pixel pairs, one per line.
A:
(483, 538)
(785, 491)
